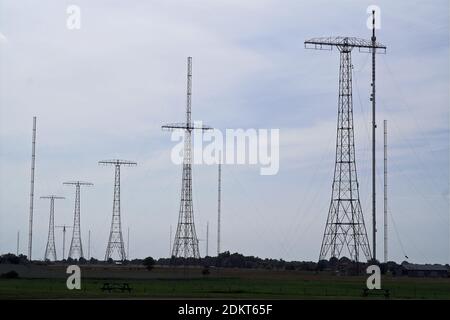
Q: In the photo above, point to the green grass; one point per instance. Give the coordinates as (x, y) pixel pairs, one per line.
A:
(309, 287)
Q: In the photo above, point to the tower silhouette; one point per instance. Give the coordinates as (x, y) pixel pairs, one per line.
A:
(345, 227)
(115, 242)
(50, 249)
(186, 241)
(76, 247)
(219, 204)
(64, 227)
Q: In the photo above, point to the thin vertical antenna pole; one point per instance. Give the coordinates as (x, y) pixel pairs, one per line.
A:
(374, 126)
(64, 240)
(170, 242)
(385, 195)
(18, 239)
(207, 238)
(189, 91)
(64, 243)
(218, 207)
(33, 161)
(89, 245)
(128, 243)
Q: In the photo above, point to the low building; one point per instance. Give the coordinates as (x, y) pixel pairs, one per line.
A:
(424, 270)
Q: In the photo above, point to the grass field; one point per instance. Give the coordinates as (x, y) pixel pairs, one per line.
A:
(239, 284)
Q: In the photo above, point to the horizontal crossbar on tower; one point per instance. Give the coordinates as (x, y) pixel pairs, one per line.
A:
(184, 126)
(52, 197)
(80, 183)
(327, 43)
(118, 162)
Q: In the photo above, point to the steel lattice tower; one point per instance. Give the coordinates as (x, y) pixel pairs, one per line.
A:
(115, 242)
(33, 166)
(50, 250)
(76, 247)
(186, 241)
(345, 227)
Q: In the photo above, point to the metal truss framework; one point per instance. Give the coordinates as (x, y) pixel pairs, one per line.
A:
(76, 247)
(50, 249)
(115, 242)
(186, 242)
(345, 227)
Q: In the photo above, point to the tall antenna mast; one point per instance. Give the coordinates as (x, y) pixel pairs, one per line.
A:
(89, 245)
(219, 192)
(186, 241)
(76, 247)
(115, 242)
(33, 160)
(207, 238)
(345, 227)
(374, 126)
(170, 241)
(64, 239)
(385, 195)
(50, 250)
(18, 240)
(128, 243)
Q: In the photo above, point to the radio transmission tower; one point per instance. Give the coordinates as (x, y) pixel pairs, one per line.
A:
(207, 239)
(115, 242)
(33, 164)
(64, 227)
(385, 204)
(18, 241)
(50, 250)
(89, 244)
(219, 197)
(186, 241)
(76, 247)
(345, 226)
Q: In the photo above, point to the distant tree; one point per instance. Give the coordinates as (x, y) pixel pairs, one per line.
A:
(373, 262)
(322, 265)
(82, 260)
(344, 260)
(23, 259)
(93, 261)
(136, 261)
(290, 267)
(10, 275)
(384, 268)
(333, 261)
(205, 271)
(10, 258)
(149, 262)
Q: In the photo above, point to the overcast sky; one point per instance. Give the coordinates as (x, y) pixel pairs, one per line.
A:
(105, 90)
